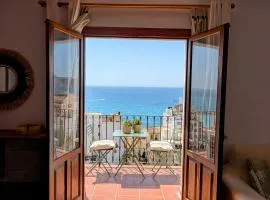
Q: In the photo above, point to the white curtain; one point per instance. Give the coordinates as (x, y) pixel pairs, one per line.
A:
(66, 92)
(204, 91)
(199, 21)
(73, 86)
(220, 13)
(78, 17)
(73, 10)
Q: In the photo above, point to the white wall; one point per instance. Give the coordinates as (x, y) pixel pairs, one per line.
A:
(23, 30)
(140, 18)
(143, 18)
(248, 111)
(248, 97)
(248, 93)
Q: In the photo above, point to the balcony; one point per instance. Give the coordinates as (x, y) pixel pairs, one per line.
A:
(129, 183)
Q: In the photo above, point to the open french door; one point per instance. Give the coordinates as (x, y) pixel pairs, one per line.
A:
(204, 114)
(65, 91)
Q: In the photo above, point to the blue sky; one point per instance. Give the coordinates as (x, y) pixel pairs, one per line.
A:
(134, 62)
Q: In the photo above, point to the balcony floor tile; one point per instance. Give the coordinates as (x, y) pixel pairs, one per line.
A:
(129, 184)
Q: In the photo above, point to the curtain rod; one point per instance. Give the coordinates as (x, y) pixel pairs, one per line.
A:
(143, 6)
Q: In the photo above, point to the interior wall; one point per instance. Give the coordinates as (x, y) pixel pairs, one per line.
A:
(247, 108)
(23, 30)
(140, 18)
(248, 94)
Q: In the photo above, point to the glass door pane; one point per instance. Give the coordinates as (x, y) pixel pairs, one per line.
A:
(203, 102)
(66, 84)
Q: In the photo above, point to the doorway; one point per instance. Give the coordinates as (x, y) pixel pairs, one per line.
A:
(129, 79)
(202, 168)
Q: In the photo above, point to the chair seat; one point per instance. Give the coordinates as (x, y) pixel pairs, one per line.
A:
(160, 146)
(102, 145)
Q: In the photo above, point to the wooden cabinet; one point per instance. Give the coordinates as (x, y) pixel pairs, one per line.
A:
(24, 165)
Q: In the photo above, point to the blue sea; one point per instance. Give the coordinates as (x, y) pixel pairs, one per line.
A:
(151, 101)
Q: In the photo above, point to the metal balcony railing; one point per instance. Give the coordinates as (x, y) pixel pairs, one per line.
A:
(100, 127)
(168, 128)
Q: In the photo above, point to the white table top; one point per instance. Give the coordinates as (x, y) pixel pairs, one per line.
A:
(120, 133)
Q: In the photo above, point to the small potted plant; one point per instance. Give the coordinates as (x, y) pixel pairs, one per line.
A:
(137, 125)
(127, 126)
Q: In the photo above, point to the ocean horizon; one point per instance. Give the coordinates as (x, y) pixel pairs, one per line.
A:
(150, 101)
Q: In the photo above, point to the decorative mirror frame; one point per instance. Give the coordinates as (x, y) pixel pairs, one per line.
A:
(25, 80)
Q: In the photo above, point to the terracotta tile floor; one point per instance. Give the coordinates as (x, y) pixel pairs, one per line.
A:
(129, 184)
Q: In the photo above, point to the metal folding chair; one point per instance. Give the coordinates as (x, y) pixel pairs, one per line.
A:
(161, 149)
(101, 148)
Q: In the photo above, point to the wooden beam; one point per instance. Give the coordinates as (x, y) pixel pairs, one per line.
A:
(140, 6)
(136, 6)
(121, 32)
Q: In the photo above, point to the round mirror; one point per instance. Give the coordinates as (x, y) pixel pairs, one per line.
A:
(16, 79)
(8, 79)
